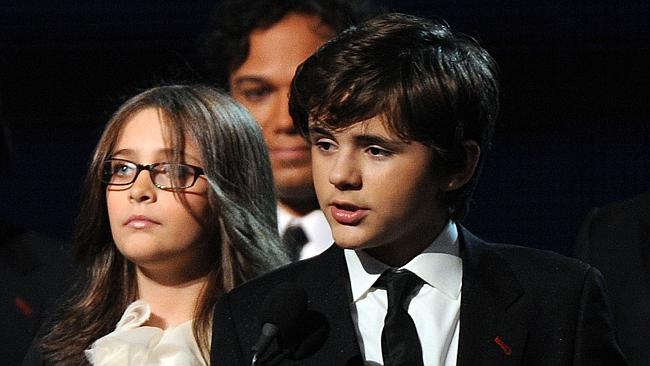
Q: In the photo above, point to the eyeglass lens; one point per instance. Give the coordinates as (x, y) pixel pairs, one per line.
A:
(163, 175)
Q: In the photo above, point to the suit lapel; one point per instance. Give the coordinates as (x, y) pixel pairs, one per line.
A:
(329, 294)
(492, 330)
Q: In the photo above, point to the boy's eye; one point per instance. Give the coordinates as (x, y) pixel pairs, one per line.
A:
(324, 145)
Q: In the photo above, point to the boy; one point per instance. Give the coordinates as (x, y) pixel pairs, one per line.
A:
(399, 113)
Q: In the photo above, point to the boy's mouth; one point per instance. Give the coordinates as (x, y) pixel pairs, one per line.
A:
(347, 214)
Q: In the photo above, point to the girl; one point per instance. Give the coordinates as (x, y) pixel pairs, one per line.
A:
(179, 208)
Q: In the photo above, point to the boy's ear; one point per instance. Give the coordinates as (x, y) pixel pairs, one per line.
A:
(458, 179)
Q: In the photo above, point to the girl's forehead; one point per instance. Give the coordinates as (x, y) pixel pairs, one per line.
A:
(147, 135)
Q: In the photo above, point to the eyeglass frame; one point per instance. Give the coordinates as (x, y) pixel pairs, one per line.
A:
(198, 171)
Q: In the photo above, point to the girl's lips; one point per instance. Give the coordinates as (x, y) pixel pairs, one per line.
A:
(348, 214)
(140, 222)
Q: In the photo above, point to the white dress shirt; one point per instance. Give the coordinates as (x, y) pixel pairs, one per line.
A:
(316, 229)
(435, 307)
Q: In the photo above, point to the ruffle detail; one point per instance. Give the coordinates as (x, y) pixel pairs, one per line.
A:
(132, 344)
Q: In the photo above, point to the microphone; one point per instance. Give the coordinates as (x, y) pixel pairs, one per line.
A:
(309, 338)
(282, 310)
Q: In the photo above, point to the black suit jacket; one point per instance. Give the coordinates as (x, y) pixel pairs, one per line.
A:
(616, 240)
(519, 306)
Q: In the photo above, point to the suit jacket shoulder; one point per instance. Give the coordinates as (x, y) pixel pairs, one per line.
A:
(526, 306)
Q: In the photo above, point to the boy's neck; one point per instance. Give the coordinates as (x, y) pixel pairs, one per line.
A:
(399, 254)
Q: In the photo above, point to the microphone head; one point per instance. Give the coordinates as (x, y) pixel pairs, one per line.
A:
(310, 337)
(284, 306)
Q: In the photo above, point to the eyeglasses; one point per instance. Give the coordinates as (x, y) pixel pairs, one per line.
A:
(168, 176)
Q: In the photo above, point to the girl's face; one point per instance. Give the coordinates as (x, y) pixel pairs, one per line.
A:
(150, 226)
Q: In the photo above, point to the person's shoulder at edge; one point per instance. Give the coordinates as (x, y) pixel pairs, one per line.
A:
(638, 207)
(613, 222)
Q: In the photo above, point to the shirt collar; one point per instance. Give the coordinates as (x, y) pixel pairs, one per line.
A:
(439, 265)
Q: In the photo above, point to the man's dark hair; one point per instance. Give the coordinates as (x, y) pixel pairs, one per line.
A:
(427, 83)
(224, 48)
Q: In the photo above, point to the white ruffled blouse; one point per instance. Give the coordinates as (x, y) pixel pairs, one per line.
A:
(133, 344)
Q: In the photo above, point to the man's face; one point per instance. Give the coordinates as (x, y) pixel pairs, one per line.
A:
(262, 85)
(378, 192)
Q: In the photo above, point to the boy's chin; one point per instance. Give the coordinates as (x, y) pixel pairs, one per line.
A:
(352, 242)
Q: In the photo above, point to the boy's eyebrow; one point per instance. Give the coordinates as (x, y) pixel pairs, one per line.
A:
(320, 131)
(364, 139)
(369, 139)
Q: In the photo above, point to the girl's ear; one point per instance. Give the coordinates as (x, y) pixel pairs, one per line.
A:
(458, 179)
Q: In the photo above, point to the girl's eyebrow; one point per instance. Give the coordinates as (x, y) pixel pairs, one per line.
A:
(127, 152)
(131, 153)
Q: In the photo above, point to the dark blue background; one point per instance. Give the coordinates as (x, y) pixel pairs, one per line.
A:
(573, 132)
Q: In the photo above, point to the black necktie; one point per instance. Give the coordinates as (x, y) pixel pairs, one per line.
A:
(400, 345)
(294, 238)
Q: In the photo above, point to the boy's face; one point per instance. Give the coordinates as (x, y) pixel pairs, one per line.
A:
(378, 192)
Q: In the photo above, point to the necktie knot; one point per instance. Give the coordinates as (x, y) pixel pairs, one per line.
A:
(294, 238)
(399, 285)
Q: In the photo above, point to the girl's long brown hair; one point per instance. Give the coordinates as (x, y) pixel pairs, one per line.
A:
(242, 218)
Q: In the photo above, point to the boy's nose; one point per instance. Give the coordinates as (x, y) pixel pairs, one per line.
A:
(345, 174)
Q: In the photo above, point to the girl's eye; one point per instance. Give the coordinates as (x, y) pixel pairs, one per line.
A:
(122, 169)
(175, 170)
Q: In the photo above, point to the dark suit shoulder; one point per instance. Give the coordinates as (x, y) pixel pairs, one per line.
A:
(544, 273)
(537, 260)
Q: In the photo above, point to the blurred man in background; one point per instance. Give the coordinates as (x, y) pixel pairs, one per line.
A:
(252, 49)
